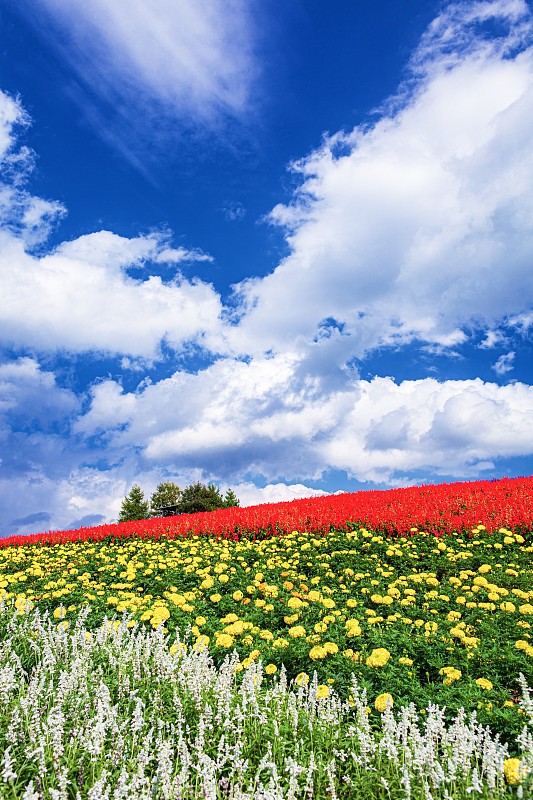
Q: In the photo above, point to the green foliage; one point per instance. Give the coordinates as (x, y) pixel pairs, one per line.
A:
(230, 499)
(134, 506)
(166, 494)
(199, 497)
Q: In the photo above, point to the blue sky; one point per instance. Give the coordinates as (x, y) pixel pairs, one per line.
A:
(282, 247)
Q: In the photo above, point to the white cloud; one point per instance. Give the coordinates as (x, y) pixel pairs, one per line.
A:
(504, 363)
(11, 114)
(251, 495)
(419, 226)
(235, 419)
(30, 218)
(81, 298)
(492, 339)
(154, 64)
(170, 255)
(31, 394)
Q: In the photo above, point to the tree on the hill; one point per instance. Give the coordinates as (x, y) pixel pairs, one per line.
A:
(134, 506)
(231, 499)
(199, 497)
(166, 494)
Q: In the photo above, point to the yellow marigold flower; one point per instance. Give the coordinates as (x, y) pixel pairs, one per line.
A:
(314, 596)
(235, 629)
(514, 771)
(322, 691)
(353, 629)
(238, 595)
(302, 679)
(351, 603)
(224, 640)
(507, 606)
(382, 700)
(60, 613)
(317, 652)
(508, 540)
(247, 662)
(270, 669)
(280, 643)
(320, 627)
(378, 657)
(483, 683)
(527, 608)
(216, 598)
(407, 662)
(453, 616)
(266, 635)
(330, 647)
(294, 602)
(296, 631)
(484, 568)
(451, 674)
(292, 619)
(255, 654)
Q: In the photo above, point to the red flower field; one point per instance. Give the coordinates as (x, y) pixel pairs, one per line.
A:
(437, 509)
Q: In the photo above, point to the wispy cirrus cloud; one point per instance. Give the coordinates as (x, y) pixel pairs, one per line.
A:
(153, 68)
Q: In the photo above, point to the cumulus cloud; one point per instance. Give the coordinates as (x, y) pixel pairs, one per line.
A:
(420, 225)
(81, 297)
(28, 217)
(99, 292)
(36, 501)
(251, 495)
(30, 395)
(264, 419)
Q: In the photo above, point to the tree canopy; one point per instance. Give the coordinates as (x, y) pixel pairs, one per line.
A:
(134, 506)
(166, 494)
(195, 497)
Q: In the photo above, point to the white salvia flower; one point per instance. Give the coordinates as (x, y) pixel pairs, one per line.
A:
(330, 772)
(526, 701)
(8, 774)
(406, 781)
(476, 785)
(30, 793)
(99, 791)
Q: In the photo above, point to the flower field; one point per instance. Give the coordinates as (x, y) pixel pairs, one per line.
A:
(358, 607)
(435, 509)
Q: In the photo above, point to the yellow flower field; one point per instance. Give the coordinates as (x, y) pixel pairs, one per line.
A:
(445, 620)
